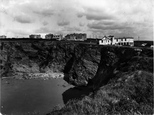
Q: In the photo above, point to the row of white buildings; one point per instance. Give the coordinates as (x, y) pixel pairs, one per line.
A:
(106, 40)
(73, 37)
(111, 40)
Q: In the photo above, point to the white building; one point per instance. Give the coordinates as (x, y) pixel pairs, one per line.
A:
(126, 41)
(54, 37)
(2, 37)
(76, 37)
(58, 37)
(107, 40)
(110, 40)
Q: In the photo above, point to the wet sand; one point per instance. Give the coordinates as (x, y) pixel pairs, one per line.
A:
(32, 96)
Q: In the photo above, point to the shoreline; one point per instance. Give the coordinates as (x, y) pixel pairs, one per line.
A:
(44, 76)
(47, 92)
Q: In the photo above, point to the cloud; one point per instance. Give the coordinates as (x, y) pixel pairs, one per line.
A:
(18, 32)
(3, 10)
(80, 15)
(118, 17)
(95, 14)
(108, 26)
(119, 29)
(81, 24)
(43, 30)
(108, 22)
(71, 29)
(98, 17)
(45, 23)
(44, 12)
(63, 23)
(63, 30)
(23, 18)
(111, 28)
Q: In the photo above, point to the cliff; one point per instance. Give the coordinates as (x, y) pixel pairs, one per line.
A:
(81, 64)
(122, 84)
(116, 60)
(77, 61)
(119, 78)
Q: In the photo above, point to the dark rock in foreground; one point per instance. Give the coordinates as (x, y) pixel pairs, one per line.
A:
(78, 62)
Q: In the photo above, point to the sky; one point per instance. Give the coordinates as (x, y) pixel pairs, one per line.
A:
(97, 18)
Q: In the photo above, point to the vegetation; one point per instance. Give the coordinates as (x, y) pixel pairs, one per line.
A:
(127, 94)
(126, 91)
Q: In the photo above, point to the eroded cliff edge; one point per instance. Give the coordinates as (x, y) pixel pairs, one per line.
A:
(81, 64)
(78, 62)
(121, 78)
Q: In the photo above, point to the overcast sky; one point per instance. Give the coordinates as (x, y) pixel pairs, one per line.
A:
(133, 18)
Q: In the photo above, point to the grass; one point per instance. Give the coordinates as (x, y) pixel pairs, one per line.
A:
(130, 94)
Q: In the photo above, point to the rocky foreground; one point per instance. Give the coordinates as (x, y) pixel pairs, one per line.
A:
(120, 78)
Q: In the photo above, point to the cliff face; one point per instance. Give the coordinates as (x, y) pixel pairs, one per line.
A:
(116, 60)
(122, 84)
(121, 77)
(78, 62)
(82, 65)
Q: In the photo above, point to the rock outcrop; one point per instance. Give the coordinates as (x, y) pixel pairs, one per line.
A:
(121, 59)
(82, 65)
(78, 62)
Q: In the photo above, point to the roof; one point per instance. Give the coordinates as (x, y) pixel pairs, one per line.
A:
(49, 35)
(107, 37)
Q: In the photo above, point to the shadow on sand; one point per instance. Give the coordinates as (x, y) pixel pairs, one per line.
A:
(75, 93)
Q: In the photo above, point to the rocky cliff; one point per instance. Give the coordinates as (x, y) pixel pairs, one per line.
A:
(122, 84)
(116, 60)
(78, 62)
(120, 79)
(82, 64)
